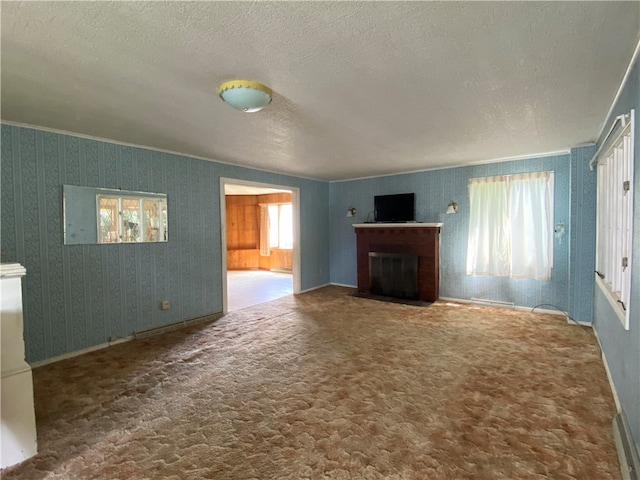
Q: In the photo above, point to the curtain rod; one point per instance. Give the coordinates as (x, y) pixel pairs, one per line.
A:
(624, 120)
(509, 175)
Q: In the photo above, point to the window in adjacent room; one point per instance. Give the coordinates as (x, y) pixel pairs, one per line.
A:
(131, 219)
(281, 226)
(615, 216)
(511, 226)
(108, 219)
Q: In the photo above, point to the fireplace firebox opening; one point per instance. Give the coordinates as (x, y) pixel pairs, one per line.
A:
(394, 275)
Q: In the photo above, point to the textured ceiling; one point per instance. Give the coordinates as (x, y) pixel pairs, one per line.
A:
(360, 89)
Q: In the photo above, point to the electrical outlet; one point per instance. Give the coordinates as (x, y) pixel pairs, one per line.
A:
(165, 305)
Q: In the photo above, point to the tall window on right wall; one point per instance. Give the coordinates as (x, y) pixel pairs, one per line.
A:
(511, 226)
(615, 216)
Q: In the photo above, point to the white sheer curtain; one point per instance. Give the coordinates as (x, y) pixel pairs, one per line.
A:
(488, 250)
(265, 249)
(511, 226)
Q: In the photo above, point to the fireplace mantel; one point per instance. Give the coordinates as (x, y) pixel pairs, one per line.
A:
(396, 225)
(421, 239)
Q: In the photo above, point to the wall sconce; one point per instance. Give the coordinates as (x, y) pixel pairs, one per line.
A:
(452, 208)
(351, 212)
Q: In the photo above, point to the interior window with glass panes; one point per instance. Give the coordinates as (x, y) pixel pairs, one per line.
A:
(131, 219)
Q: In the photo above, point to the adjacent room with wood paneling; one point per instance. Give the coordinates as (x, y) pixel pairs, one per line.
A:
(259, 240)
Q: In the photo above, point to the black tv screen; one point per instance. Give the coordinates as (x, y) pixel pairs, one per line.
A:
(394, 208)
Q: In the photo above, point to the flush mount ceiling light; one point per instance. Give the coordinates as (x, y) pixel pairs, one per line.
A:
(245, 95)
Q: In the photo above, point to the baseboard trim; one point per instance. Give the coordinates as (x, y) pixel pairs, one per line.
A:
(578, 322)
(281, 270)
(507, 306)
(343, 285)
(314, 288)
(629, 462)
(627, 454)
(612, 385)
(77, 353)
(135, 336)
(16, 371)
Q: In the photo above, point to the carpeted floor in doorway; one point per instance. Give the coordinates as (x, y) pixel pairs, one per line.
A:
(325, 385)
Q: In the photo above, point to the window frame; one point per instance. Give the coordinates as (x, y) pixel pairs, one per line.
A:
(614, 239)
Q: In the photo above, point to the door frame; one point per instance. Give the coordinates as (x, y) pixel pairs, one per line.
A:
(295, 253)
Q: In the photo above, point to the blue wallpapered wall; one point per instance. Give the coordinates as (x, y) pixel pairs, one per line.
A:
(622, 347)
(582, 234)
(76, 296)
(434, 189)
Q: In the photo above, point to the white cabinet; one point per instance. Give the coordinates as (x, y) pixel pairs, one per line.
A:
(18, 434)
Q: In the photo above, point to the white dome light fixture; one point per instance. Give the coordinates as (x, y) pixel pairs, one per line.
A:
(245, 95)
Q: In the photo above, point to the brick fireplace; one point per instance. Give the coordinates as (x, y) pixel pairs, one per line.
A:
(420, 239)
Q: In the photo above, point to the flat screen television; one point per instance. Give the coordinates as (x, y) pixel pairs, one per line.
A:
(394, 208)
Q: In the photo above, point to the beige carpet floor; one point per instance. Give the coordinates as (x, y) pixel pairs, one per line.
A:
(328, 386)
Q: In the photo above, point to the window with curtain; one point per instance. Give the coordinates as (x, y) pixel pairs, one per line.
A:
(511, 226)
(281, 226)
(265, 247)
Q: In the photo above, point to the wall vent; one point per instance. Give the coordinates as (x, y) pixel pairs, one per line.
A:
(175, 326)
(492, 303)
(627, 453)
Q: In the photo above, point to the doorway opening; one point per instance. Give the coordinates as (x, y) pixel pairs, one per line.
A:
(260, 242)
